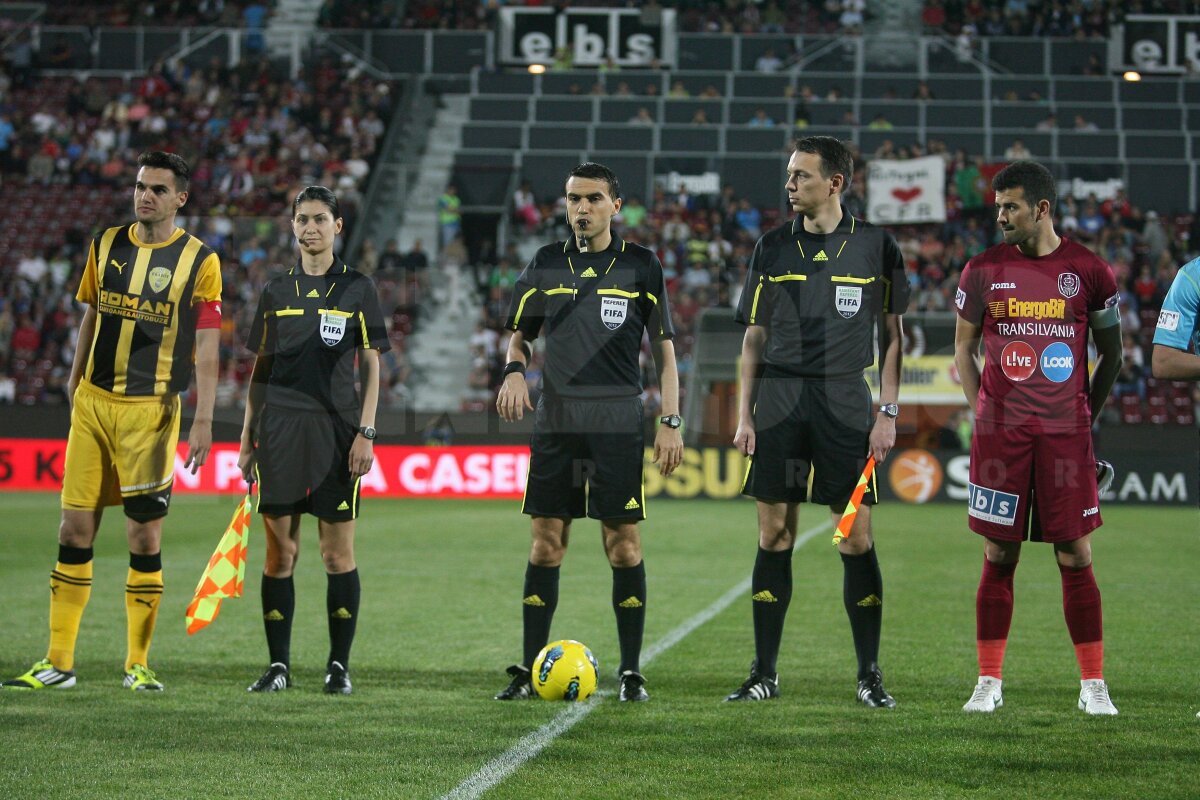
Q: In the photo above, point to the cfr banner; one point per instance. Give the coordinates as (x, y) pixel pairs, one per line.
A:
(1158, 44)
(910, 476)
(632, 38)
(906, 191)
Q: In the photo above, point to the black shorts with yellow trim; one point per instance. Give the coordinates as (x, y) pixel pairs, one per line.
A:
(812, 438)
(121, 450)
(303, 465)
(585, 459)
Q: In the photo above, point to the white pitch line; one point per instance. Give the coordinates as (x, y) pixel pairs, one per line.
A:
(494, 772)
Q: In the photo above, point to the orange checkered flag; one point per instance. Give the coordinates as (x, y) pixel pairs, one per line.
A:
(847, 520)
(226, 571)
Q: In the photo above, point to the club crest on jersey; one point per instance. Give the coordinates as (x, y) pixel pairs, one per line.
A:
(1068, 284)
(848, 300)
(159, 278)
(612, 311)
(333, 328)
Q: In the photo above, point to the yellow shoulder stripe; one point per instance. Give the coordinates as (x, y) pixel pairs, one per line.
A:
(521, 307)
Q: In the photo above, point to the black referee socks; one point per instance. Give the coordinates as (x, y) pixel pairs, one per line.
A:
(862, 592)
(629, 603)
(278, 604)
(771, 593)
(538, 602)
(341, 601)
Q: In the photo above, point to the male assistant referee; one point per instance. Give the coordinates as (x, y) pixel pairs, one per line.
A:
(592, 297)
(814, 292)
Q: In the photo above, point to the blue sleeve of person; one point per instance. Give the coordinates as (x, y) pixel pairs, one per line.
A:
(1178, 325)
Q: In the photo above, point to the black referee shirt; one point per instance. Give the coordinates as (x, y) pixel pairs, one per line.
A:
(311, 327)
(820, 295)
(592, 309)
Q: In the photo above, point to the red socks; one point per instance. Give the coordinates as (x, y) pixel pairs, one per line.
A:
(993, 616)
(1081, 607)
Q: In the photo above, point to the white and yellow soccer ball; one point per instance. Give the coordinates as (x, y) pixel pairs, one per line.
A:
(565, 670)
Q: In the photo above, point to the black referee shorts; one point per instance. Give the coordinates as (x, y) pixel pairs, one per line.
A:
(586, 456)
(304, 465)
(810, 432)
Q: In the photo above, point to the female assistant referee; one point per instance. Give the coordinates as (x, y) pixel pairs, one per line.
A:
(308, 436)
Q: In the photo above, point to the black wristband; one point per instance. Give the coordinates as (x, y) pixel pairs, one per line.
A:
(513, 366)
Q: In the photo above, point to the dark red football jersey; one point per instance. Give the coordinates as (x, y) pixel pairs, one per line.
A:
(1034, 315)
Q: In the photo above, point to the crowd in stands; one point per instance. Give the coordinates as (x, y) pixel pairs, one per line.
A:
(694, 16)
(1075, 19)
(68, 151)
(165, 13)
(705, 243)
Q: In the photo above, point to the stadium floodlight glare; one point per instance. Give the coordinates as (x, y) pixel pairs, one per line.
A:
(1133, 76)
(537, 69)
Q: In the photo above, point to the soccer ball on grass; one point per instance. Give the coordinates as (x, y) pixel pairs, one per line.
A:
(565, 670)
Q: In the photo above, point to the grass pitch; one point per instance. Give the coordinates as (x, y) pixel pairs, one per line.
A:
(441, 619)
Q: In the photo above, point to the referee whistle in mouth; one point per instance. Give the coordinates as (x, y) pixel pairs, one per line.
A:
(583, 244)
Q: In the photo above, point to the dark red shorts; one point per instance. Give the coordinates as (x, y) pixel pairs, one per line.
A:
(1032, 484)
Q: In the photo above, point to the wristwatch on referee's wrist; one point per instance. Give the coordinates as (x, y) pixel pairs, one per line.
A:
(367, 432)
(672, 421)
(890, 410)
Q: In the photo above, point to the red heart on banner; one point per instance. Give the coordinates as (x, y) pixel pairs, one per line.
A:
(904, 195)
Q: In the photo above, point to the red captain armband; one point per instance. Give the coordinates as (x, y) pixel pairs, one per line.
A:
(208, 314)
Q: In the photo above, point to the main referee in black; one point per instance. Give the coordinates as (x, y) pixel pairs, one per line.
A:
(591, 297)
(818, 291)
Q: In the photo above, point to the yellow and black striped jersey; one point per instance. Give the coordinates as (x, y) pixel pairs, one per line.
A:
(145, 296)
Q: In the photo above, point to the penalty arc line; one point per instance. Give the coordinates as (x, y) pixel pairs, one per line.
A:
(498, 769)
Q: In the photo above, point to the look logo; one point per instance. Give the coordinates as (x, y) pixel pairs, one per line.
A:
(1018, 361)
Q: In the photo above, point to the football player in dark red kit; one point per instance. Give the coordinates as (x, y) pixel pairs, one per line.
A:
(1032, 300)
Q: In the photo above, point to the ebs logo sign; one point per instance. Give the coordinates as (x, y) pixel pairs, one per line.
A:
(1058, 362)
(991, 505)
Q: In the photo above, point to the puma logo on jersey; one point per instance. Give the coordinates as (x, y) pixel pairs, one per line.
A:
(119, 265)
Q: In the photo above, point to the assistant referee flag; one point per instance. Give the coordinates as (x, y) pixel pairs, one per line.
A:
(226, 571)
(847, 520)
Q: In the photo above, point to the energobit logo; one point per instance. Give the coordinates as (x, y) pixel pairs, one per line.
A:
(915, 476)
(1018, 361)
(1037, 309)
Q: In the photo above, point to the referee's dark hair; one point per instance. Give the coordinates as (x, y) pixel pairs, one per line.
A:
(321, 195)
(598, 172)
(1031, 176)
(157, 159)
(836, 158)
